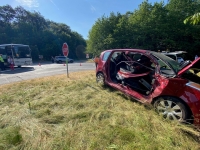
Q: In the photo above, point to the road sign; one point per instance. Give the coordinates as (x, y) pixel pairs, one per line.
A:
(65, 49)
(87, 56)
(40, 56)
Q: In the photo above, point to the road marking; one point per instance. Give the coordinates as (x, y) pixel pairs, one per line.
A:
(34, 71)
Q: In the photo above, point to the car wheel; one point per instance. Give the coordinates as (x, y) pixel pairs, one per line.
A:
(171, 108)
(100, 79)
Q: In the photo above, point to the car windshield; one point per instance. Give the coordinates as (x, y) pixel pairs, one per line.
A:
(171, 56)
(180, 58)
(172, 63)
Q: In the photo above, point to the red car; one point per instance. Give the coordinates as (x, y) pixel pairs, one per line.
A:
(151, 77)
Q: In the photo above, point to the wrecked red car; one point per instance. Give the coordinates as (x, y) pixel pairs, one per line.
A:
(151, 77)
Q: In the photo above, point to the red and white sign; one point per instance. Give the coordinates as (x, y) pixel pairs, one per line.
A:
(65, 49)
(87, 56)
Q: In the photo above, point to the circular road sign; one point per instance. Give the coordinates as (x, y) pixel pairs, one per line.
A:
(65, 49)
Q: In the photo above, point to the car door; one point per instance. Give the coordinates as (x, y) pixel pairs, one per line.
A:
(102, 64)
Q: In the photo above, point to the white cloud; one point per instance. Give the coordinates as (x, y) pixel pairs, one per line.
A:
(28, 3)
(54, 4)
(93, 9)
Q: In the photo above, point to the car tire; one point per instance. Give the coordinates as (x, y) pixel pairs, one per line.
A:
(172, 108)
(100, 79)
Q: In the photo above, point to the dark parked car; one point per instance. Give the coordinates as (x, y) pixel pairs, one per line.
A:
(154, 78)
(61, 59)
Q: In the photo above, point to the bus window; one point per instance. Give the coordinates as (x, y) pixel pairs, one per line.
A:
(2, 50)
(21, 51)
(8, 51)
(15, 51)
(18, 52)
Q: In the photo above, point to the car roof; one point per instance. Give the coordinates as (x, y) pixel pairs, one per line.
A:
(13, 45)
(176, 52)
(135, 50)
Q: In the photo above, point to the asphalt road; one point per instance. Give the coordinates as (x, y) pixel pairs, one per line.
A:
(41, 70)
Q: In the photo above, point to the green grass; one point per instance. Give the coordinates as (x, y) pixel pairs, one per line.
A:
(74, 113)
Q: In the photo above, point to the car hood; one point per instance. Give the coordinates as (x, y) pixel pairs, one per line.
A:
(194, 64)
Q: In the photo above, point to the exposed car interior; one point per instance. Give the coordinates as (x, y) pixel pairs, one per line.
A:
(165, 70)
(133, 70)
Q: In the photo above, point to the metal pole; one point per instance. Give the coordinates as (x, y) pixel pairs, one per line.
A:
(67, 68)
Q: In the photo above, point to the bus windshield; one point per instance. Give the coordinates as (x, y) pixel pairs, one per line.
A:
(15, 50)
(21, 51)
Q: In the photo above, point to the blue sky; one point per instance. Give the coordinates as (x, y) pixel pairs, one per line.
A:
(80, 15)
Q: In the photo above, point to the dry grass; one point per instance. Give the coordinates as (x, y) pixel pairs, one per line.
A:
(74, 113)
(90, 60)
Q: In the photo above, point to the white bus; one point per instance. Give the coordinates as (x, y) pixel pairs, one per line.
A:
(20, 53)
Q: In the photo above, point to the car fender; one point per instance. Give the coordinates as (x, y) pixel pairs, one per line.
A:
(179, 88)
(191, 95)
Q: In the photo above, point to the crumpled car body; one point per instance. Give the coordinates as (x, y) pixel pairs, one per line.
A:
(154, 78)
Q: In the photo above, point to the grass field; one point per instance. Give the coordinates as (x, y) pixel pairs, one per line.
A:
(74, 113)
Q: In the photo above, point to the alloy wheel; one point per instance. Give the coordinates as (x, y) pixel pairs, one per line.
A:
(100, 79)
(170, 109)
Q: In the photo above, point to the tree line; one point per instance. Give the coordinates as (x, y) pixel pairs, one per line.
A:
(156, 27)
(44, 37)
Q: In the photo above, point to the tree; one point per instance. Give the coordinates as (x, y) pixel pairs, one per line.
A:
(194, 19)
(103, 34)
(45, 37)
(154, 27)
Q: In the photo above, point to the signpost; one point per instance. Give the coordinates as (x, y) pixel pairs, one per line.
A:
(40, 57)
(65, 50)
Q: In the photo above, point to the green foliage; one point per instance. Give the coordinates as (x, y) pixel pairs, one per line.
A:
(157, 26)
(43, 36)
(194, 19)
(102, 35)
